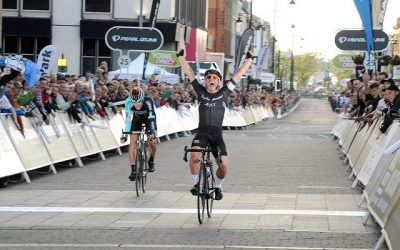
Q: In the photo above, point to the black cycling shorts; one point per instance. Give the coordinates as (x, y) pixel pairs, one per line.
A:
(211, 136)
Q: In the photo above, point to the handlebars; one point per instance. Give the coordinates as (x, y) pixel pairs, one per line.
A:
(202, 151)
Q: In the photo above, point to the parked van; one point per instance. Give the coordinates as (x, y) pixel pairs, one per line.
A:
(204, 66)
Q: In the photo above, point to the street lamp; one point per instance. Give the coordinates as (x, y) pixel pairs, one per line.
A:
(291, 88)
(251, 13)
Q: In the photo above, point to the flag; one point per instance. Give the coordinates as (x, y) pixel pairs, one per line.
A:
(153, 19)
(47, 58)
(244, 46)
(262, 60)
(364, 10)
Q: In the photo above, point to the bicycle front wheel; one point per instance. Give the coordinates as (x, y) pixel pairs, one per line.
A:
(144, 171)
(139, 171)
(211, 195)
(201, 199)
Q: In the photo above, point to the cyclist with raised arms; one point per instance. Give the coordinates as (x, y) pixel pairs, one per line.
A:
(139, 109)
(213, 98)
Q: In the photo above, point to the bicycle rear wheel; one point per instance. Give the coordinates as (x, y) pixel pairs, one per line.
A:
(201, 199)
(211, 194)
(139, 171)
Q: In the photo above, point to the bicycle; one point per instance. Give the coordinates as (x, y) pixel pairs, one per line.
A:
(141, 161)
(206, 183)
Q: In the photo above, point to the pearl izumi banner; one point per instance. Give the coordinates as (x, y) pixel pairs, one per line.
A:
(355, 40)
(134, 38)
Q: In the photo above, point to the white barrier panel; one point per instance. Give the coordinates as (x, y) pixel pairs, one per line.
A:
(187, 118)
(117, 125)
(103, 134)
(10, 163)
(270, 112)
(376, 157)
(161, 123)
(59, 144)
(347, 142)
(172, 120)
(82, 137)
(384, 190)
(347, 127)
(256, 118)
(341, 127)
(29, 148)
(262, 112)
(336, 128)
(229, 118)
(358, 145)
(234, 118)
(392, 228)
(367, 148)
(248, 117)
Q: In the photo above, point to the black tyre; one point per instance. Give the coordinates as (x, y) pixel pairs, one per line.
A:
(144, 171)
(201, 199)
(138, 171)
(211, 186)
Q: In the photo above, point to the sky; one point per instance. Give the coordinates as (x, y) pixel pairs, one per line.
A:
(316, 22)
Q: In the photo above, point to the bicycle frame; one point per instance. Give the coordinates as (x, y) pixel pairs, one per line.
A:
(141, 160)
(206, 181)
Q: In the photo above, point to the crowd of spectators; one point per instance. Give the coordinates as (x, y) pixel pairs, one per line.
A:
(91, 93)
(367, 98)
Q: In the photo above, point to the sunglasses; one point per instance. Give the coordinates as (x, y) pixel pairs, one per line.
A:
(214, 77)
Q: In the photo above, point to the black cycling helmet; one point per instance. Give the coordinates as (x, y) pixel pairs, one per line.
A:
(213, 71)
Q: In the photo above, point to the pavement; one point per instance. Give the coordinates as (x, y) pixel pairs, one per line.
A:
(286, 189)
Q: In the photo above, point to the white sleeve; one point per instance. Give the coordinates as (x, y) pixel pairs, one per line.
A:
(5, 103)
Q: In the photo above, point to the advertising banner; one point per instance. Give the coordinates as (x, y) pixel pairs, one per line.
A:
(164, 58)
(355, 40)
(262, 60)
(244, 46)
(344, 62)
(47, 58)
(134, 38)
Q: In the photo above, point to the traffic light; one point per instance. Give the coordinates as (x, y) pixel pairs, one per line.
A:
(278, 85)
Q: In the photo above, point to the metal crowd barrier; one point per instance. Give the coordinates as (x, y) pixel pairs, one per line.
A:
(375, 163)
(65, 139)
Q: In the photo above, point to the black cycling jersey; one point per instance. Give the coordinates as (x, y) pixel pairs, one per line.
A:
(135, 118)
(212, 105)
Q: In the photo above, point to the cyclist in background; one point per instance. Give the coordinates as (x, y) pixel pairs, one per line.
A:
(213, 98)
(139, 109)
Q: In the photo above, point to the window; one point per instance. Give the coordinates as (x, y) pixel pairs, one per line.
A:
(93, 53)
(36, 4)
(10, 4)
(28, 47)
(10, 45)
(98, 6)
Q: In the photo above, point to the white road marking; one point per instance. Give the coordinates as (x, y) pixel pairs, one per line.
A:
(322, 187)
(181, 211)
(108, 246)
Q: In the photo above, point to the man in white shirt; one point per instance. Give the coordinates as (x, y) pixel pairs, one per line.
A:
(5, 104)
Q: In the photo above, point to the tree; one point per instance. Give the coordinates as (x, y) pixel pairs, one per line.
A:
(306, 65)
